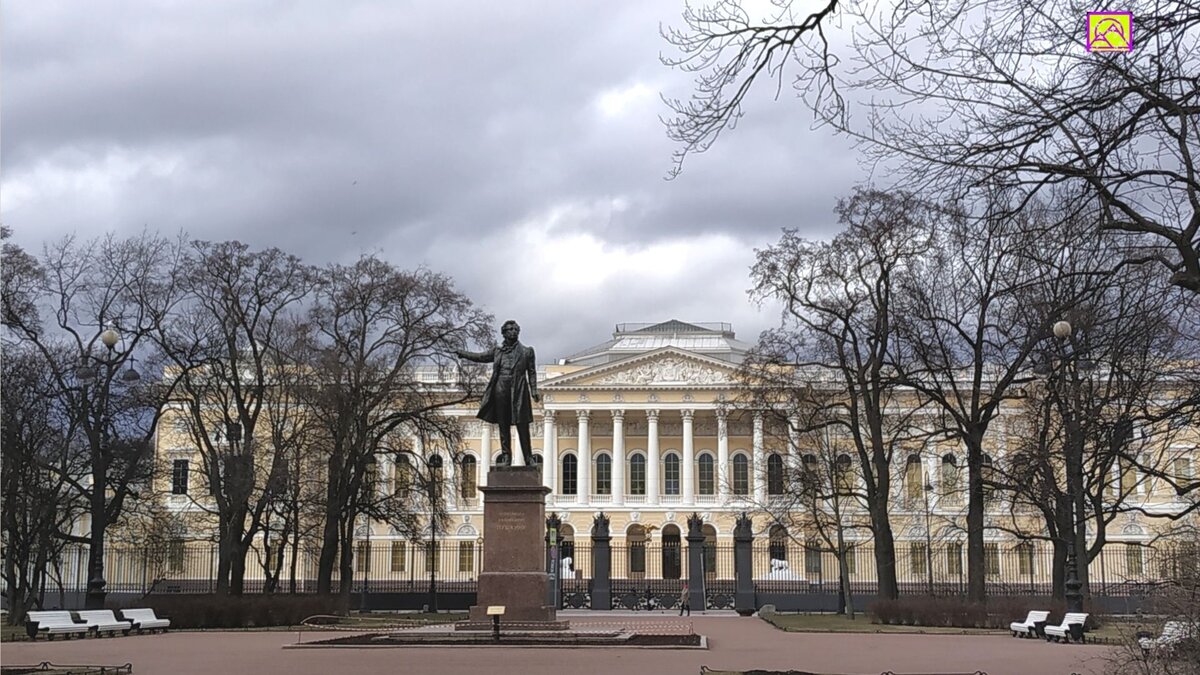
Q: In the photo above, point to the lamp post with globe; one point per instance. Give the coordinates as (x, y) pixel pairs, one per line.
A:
(97, 376)
(1067, 362)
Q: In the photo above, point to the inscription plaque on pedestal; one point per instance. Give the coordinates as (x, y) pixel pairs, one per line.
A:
(514, 558)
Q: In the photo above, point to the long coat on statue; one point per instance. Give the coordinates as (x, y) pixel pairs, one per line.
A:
(524, 383)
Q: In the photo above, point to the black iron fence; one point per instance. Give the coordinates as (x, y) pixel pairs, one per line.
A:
(643, 575)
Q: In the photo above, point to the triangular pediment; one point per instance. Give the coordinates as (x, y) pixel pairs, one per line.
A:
(666, 367)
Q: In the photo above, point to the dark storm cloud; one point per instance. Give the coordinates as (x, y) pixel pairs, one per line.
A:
(431, 133)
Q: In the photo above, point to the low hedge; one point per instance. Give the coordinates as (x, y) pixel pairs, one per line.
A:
(206, 610)
(959, 613)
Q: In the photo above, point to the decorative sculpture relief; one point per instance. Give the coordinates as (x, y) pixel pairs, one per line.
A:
(669, 370)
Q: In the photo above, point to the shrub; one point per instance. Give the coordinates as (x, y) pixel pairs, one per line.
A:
(246, 611)
(998, 612)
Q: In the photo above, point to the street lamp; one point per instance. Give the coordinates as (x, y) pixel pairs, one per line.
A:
(928, 487)
(1073, 455)
(88, 373)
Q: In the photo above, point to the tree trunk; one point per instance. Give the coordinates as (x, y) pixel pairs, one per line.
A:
(1058, 576)
(885, 553)
(328, 558)
(976, 588)
(96, 583)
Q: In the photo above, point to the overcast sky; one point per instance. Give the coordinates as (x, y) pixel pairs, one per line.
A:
(513, 145)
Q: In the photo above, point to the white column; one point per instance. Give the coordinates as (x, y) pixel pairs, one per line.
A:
(652, 460)
(722, 457)
(689, 460)
(583, 483)
(485, 449)
(549, 449)
(759, 471)
(618, 465)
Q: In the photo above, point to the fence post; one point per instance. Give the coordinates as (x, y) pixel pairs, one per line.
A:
(743, 565)
(553, 525)
(696, 578)
(601, 563)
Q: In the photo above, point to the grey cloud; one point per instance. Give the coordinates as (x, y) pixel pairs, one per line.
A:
(419, 130)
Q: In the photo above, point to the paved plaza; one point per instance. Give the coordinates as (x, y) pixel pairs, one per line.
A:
(734, 643)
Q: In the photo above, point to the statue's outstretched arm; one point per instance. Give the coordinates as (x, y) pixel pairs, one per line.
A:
(478, 357)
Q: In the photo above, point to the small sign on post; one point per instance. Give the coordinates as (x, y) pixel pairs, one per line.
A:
(495, 611)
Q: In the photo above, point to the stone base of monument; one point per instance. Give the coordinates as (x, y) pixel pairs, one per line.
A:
(514, 564)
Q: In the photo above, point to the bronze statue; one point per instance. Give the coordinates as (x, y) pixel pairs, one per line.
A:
(506, 400)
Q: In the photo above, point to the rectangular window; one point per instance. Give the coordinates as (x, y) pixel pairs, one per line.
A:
(916, 559)
(568, 475)
(399, 556)
(362, 555)
(1025, 558)
(1128, 479)
(812, 559)
(671, 475)
(914, 487)
(175, 555)
(851, 561)
(179, 477)
(1133, 559)
(466, 556)
(991, 559)
(706, 476)
(954, 562)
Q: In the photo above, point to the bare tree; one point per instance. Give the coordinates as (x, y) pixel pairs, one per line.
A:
(39, 506)
(963, 93)
(238, 301)
(838, 327)
(374, 329)
(102, 300)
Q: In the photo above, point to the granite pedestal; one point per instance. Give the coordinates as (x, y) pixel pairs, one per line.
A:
(514, 559)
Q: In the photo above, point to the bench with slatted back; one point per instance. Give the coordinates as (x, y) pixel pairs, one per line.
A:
(53, 623)
(1031, 626)
(145, 619)
(1063, 632)
(103, 621)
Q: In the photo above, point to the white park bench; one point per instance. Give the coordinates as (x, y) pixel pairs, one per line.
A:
(1062, 633)
(53, 623)
(145, 619)
(103, 621)
(1030, 626)
(1173, 633)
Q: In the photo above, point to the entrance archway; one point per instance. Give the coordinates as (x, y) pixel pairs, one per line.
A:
(672, 552)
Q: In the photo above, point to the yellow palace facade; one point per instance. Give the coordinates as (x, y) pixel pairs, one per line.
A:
(644, 427)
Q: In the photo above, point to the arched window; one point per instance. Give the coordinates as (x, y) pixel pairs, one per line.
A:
(949, 478)
(569, 467)
(603, 474)
(707, 475)
(637, 474)
(741, 475)
(987, 473)
(467, 477)
(401, 474)
(914, 487)
(774, 474)
(710, 551)
(672, 552)
(635, 539)
(436, 475)
(778, 542)
(842, 468)
(566, 544)
(671, 474)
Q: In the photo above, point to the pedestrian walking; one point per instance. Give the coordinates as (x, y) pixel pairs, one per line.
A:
(685, 603)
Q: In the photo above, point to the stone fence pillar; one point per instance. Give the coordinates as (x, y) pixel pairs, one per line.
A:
(743, 566)
(601, 563)
(696, 571)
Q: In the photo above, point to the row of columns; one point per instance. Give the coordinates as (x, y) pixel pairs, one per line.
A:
(653, 456)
